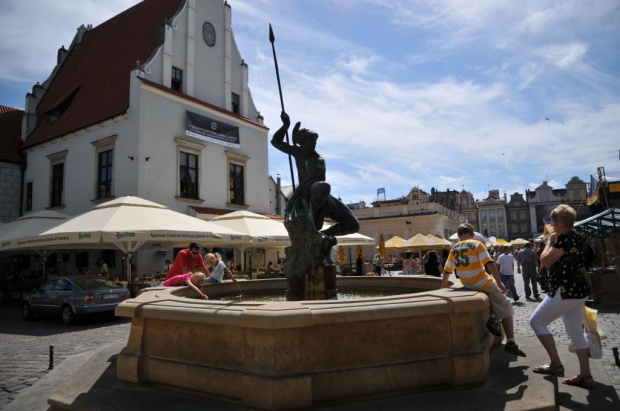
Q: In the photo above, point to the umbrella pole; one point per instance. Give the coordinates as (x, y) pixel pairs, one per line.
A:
(129, 256)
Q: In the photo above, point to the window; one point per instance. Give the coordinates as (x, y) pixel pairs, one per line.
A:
(104, 180)
(188, 172)
(58, 178)
(522, 214)
(104, 171)
(235, 183)
(524, 228)
(63, 285)
(177, 79)
(513, 215)
(236, 178)
(29, 196)
(57, 112)
(235, 103)
(515, 228)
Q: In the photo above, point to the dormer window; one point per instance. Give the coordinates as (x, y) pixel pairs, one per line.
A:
(177, 79)
(235, 103)
(57, 112)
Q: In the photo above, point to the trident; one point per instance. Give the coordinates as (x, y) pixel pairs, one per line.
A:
(272, 40)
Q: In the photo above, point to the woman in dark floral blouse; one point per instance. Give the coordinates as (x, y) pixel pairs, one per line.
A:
(567, 293)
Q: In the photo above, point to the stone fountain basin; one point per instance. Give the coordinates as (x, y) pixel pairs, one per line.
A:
(285, 355)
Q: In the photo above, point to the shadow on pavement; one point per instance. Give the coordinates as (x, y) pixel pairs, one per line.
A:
(12, 323)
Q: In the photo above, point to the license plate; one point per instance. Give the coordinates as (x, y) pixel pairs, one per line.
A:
(109, 296)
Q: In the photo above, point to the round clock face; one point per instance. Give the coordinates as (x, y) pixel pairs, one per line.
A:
(208, 32)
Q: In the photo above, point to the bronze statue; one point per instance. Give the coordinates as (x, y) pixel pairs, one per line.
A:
(310, 204)
(312, 196)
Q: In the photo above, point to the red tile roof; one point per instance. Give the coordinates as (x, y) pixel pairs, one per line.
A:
(10, 134)
(98, 68)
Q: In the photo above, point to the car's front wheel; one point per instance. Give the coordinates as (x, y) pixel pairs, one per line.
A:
(27, 313)
(67, 314)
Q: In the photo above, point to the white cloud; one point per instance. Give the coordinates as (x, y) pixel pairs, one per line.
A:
(564, 55)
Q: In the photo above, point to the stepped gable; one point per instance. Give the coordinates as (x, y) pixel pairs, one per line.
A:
(10, 134)
(94, 78)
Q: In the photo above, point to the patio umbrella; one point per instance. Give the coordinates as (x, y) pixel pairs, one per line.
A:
(393, 243)
(477, 236)
(262, 231)
(519, 241)
(355, 239)
(417, 241)
(501, 242)
(27, 226)
(130, 223)
(381, 246)
(440, 242)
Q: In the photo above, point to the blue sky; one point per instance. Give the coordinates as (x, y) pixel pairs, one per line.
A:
(445, 94)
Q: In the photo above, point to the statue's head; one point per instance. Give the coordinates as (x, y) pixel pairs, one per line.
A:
(304, 137)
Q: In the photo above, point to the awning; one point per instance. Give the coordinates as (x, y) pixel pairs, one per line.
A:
(601, 225)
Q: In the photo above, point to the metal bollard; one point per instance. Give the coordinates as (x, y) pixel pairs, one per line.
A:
(51, 367)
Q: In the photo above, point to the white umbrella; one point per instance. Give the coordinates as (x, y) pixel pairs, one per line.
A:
(477, 236)
(263, 231)
(129, 223)
(355, 239)
(268, 232)
(28, 225)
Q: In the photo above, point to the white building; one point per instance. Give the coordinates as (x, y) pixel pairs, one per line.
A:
(153, 103)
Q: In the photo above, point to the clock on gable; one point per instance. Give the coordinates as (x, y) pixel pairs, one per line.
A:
(208, 33)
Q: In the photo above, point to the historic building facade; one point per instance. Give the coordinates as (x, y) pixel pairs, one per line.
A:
(469, 208)
(541, 202)
(518, 218)
(154, 103)
(406, 220)
(492, 215)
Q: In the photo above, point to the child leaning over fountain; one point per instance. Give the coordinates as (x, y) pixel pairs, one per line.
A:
(189, 279)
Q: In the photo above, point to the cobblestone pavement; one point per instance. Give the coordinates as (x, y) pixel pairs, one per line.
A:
(24, 345)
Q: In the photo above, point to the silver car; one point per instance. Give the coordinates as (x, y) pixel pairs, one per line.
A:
(74, 296)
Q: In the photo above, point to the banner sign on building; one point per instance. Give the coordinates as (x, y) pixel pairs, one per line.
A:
(215, 131)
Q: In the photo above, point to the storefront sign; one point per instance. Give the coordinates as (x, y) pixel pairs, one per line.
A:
(211, 130)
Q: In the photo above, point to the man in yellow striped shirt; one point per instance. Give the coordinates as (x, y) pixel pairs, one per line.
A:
(472, 261)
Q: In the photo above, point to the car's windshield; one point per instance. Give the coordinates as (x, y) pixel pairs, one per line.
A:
(95, 283)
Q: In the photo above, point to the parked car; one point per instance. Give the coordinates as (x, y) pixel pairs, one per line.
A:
(74, 296)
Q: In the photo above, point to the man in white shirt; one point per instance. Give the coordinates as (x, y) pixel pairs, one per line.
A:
(506, 271)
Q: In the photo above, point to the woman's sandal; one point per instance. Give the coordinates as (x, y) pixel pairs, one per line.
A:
(580, 381)
(549, 369)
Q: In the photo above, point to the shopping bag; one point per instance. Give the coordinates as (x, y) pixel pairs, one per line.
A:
(591, 333)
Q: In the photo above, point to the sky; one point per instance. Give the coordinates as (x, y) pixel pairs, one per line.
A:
(445, 94)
